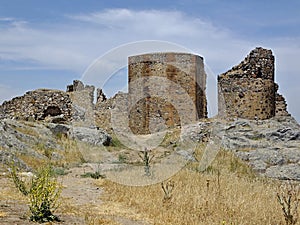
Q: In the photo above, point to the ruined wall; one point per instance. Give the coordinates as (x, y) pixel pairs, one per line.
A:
(82, 97)
(248, 90)
(38, 104)
(103, 110)
(154, 113)
(281, 106)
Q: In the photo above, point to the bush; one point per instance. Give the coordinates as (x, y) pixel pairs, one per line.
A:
(43, 192)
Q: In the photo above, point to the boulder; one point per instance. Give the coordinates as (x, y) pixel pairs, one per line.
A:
(93, 136)
(284, 172)
(59, 129)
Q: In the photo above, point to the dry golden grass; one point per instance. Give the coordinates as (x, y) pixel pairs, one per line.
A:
(74, 153)
(227, 193)
(27, 131)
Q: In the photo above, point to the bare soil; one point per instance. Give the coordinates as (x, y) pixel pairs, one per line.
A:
(81, 202)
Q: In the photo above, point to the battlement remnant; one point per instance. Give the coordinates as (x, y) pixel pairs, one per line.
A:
(248, 90)
(153, 113)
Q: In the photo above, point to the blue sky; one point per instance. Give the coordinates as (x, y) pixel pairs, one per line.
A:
(47, 44)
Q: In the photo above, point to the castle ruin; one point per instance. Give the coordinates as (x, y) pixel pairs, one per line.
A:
(38, 105)
(181, 71)
(248, 90)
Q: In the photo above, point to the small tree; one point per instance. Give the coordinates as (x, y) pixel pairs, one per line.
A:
(43, 192)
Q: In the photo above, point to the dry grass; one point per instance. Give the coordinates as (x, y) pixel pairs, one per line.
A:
(226, 194)
(27, 131)
(73, 154)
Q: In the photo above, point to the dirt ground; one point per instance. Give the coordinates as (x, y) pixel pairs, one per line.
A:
(81, 203)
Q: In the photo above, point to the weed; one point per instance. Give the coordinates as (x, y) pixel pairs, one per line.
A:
(122, 158)
(115, 142)
(43, 193)
(167, 189)
(94, 175)
(145, 156)
(288, 198)
(59, 171)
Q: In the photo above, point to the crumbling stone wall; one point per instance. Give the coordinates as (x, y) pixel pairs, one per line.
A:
(248, 90)
(103, 109)
(85, 111)
(281, 106)
(83, 107)
(38, 105)
(152, 112)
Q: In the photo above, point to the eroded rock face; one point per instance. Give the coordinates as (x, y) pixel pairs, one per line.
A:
(32, 139)
(271, 147)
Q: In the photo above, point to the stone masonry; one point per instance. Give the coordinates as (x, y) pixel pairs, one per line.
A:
(38, 105)
(153, 113)
(248, 90)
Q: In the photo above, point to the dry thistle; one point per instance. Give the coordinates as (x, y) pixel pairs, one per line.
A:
(167, 189)
(288, 198)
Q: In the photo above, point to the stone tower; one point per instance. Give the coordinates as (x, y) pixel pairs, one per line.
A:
(174, 74)
(248, 90)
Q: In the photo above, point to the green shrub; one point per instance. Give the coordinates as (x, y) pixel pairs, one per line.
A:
(43, 192)
(94, 175)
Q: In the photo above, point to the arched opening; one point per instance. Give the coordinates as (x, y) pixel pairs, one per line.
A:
(52, 111)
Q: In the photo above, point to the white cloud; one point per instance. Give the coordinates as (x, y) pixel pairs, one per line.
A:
(74, 43)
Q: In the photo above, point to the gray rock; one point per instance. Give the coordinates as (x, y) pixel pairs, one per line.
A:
(269, 156)
(78, 113)
(291, 155)
(187, 155)
(10, 138)
(59, 129)
(271, 147)
(284, 172)
(9, 159)
(258, 166)
(196, 132)
(91, 135)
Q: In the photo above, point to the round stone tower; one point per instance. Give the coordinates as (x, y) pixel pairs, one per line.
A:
(167, 82)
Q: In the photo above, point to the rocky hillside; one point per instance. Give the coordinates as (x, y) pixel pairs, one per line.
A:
(271, 147)
(37, 141)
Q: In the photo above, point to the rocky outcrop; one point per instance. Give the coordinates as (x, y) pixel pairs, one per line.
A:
(271, 147)
(93, 136)
(32, 139)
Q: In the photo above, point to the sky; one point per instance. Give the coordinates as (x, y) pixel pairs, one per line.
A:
(47, 44)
